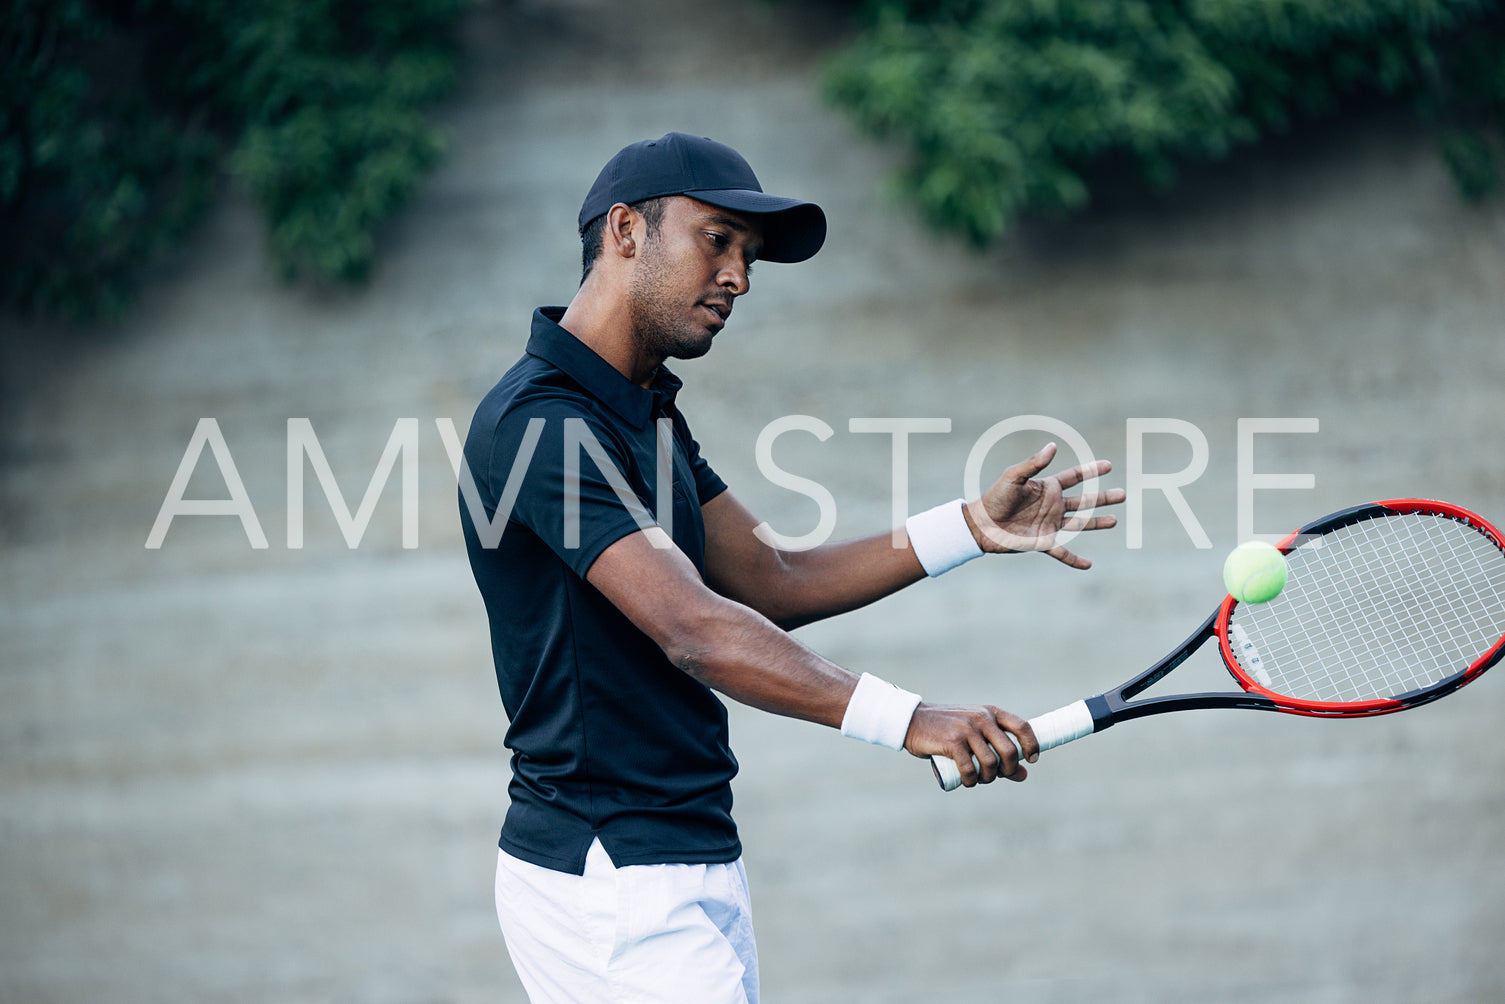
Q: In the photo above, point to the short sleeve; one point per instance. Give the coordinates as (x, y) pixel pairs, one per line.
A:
(707, 483)
(568, 478)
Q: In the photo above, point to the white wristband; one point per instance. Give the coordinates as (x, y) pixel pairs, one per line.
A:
(879, 713)
(941, 538)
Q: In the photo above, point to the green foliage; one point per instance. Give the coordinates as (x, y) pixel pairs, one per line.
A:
(331, 94)
(117, 118)
(1011, 106)
(92, 180)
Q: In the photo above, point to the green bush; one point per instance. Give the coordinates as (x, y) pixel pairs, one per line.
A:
(1013, 106)
(118, 118)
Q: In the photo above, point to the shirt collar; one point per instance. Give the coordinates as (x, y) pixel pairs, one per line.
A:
(556, 346)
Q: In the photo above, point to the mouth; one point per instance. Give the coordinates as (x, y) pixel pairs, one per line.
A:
(721, 311)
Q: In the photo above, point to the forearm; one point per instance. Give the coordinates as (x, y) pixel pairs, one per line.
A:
(796, 587)
(734, 650)
(835, 578)
(725, 644)
(738, 652)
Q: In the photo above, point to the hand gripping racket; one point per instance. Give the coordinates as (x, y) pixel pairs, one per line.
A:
(1387, 606)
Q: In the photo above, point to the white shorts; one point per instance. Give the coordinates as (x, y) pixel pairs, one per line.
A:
(665, 934)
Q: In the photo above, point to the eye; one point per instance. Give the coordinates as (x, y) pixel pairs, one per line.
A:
(724, 243)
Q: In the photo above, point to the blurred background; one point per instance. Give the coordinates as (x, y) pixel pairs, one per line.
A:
(231, 773)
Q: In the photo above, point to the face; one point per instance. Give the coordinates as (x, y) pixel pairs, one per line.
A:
(688, 274)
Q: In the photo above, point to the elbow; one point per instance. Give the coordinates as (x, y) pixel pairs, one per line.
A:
(693, 649)
(697, 665)
(700, 642)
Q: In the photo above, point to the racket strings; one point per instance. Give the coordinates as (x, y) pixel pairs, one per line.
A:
(1400, 619)
(1380, 608)
(1387, 641)
(1423, 604)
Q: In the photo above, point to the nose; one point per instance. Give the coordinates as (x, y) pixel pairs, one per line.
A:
(735, 278)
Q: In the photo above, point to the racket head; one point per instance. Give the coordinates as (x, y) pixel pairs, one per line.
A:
(1387, 606)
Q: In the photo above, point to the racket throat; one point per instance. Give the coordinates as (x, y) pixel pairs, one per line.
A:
(1102, 712)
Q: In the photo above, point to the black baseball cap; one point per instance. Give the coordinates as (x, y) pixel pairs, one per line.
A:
(714, 173)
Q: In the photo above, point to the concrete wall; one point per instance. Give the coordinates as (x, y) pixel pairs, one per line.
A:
(230, 774)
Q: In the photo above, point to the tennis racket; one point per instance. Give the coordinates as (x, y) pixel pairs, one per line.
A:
(1387, 606)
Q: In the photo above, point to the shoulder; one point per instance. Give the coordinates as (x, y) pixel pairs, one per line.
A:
(532, 388)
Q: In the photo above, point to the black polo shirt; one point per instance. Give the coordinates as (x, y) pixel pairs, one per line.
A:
(608, 738)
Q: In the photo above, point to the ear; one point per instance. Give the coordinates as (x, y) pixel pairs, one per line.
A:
(623, 228)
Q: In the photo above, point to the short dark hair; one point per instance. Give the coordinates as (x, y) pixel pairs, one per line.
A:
(652, 212)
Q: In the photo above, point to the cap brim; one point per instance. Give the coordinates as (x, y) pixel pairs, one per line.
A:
(792, 230)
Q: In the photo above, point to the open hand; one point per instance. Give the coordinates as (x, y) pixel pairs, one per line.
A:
(1022, 512)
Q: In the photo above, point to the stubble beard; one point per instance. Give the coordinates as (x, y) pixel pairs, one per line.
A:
(662, 327)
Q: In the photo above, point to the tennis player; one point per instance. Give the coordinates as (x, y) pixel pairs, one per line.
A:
(626, 589)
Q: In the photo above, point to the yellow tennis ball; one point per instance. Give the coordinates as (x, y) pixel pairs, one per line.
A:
(1255, 572)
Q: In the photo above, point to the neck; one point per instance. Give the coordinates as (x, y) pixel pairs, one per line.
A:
(604, 323)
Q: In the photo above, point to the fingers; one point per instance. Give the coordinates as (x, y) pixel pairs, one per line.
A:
(988, 767)
(1010, 739)
(985, 742)
(1069, 558)
(1029, 467)
(987, 764)
(1021, 730)
(1023, 513)
(1076, 475)
(1080, 523)
(1026, 469)
(995, 752)
(1095, 500)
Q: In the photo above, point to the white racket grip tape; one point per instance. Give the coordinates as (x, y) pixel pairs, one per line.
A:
(1052, 729)
(1063, 725)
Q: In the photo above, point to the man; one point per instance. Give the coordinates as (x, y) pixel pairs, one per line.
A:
(624, 584)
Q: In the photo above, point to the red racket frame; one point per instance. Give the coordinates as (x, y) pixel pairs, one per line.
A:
(1115, 705)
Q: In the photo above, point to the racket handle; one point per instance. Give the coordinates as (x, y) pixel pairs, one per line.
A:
(1052, 729)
